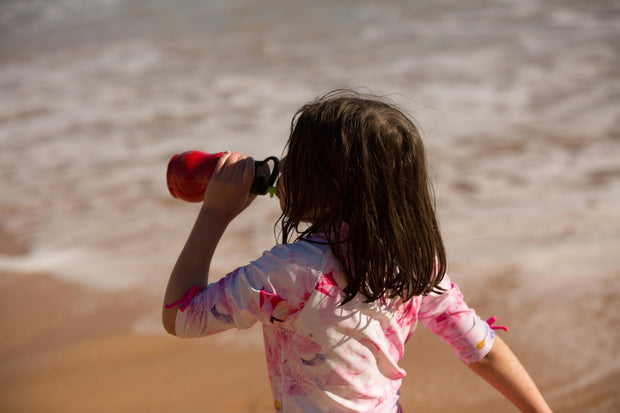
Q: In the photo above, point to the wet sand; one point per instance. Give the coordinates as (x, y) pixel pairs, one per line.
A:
(72, 350)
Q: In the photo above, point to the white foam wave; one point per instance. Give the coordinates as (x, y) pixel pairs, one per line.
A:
(78, 265)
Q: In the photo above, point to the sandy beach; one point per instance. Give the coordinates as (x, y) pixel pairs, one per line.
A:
(81, 352)
(518, 104)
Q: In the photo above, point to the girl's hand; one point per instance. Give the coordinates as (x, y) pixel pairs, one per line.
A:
(228, 192)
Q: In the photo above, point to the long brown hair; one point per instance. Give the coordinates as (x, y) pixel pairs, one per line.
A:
(358, 160)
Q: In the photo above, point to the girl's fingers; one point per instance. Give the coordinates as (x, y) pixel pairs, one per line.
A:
(228, 192)
(248, 170)
(221, 163)
(237, 166)
(234, 167)
(224, 167)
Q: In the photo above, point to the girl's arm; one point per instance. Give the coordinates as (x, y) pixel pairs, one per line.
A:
(502, 369)
(227, 195)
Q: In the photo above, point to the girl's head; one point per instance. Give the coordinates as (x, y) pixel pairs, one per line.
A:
(358, 160)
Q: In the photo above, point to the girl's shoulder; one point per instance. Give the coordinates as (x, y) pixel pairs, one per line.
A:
(294, 261)
(286, 276)
(311, 248)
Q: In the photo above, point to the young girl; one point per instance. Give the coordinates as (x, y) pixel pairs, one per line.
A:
(361, 262)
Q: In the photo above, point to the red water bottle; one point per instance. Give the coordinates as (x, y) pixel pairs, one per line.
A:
(189, 174)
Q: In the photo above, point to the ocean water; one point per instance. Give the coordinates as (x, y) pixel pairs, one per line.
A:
(518, 102)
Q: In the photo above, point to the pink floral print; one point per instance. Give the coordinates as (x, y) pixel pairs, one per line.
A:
(323, 356)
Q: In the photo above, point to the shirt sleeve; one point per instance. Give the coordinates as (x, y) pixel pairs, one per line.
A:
(274, 288)
(448, 316)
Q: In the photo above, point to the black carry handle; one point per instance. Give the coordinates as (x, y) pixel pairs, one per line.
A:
(264, 177)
